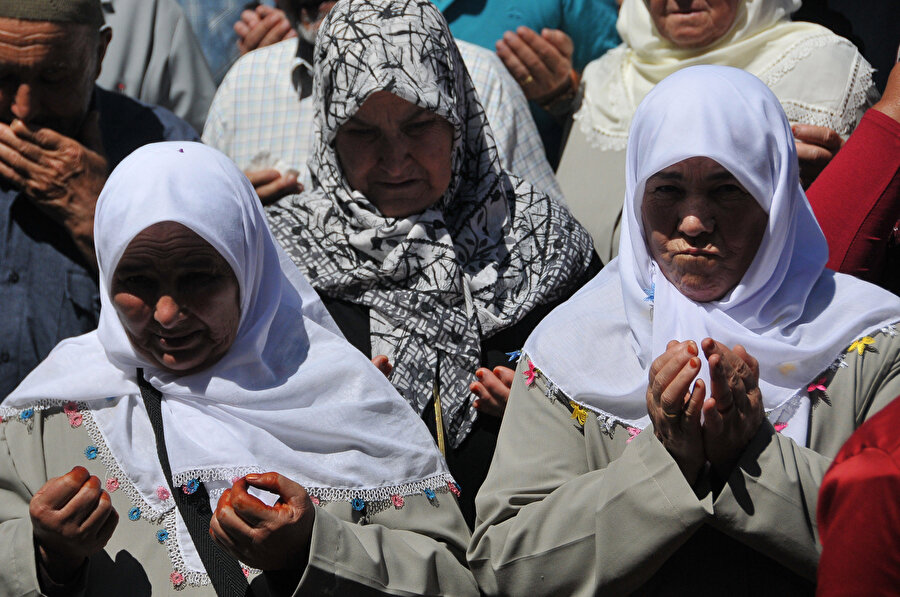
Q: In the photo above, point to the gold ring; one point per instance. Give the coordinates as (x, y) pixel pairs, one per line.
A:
(528, 80)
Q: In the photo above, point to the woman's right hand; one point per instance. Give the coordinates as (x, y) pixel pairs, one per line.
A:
(674, 407)
(73, 518)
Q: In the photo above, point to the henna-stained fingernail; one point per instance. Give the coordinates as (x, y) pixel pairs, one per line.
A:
(695, 362)
(692, 348)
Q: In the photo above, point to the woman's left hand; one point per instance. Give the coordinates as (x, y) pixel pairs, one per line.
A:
(265, 537)
(733, 413)
(492, 389)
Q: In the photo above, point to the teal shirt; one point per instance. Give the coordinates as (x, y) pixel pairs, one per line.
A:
(590, 23)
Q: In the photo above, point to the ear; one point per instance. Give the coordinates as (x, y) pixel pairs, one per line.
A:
(103, 43)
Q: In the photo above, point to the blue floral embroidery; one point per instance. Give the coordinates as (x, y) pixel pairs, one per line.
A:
(90, 452)
(429, 493)
(514, 355)
(162, 535)
(650, 292)
(134, 513)
(191, 486)
(358, 504)
(26, 414)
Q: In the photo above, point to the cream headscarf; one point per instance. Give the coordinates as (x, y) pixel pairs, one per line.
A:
(290, 395)
(818, 77)
(789, 312)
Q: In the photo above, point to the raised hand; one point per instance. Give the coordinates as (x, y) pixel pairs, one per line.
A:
(265, 537)
(72, 519)
(674, 407)
(492, 389)
(61, 175)
(734, 412)
(540, 63)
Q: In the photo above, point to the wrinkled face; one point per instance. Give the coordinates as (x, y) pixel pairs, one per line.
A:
(702, 227)
(693, 23)
(396, 154)
(47, 72)
(177, 297)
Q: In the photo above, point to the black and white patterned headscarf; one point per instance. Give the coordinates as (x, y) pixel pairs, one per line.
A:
(479, 260)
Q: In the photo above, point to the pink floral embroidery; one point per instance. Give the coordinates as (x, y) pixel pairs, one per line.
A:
(632, 433)
(817, 385)
(529, 373)
(112, 484)
(397, 501)
(779, 426)
(454, 488)
(70, 407)
(177, 578)
(75, 419)
(246, 571)
(163, 493)
(314, 500)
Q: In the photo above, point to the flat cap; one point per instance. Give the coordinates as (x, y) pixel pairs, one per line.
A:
(84, 12)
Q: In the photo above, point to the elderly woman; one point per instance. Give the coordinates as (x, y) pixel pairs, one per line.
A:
(673, 395)
(215, 362)
(424, 250)
(819, 78)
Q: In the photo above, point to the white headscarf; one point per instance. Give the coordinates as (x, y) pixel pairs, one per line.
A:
(819, 77)
(290, 395)
(789, 312)
(436, 283)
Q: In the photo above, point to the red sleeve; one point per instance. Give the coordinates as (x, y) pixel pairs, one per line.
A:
(859, 527)
(856, 199)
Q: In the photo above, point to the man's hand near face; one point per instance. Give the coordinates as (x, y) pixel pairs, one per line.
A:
(61, 175)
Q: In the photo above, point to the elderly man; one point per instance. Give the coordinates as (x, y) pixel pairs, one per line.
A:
(262, 119)
(59, 138)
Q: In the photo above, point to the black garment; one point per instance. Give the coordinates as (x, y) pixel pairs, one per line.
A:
(469, 462)
(47, 290)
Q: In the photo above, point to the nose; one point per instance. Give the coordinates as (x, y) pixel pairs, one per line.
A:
(168, 312)
(394, 154)
(696, 218)
(24, 103)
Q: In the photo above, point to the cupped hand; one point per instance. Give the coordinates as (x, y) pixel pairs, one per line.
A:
(382, 363)
(492, 389)
(733, 413)
(271, 185)
(539, 63)
(72, 519)
(261, 27)
(816, 147)
(266, 537)
(674, 407)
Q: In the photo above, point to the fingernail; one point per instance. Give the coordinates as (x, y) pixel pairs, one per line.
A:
(692, 348)
(479, 374)
(251, 477)
(695, 362)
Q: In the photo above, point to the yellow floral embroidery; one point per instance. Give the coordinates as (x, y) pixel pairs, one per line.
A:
(578, 413)
(861, 344)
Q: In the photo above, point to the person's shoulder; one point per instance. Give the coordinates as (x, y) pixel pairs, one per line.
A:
(127, 123)
(267, 59)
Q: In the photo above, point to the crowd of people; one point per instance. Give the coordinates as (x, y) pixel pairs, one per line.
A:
(334, 322)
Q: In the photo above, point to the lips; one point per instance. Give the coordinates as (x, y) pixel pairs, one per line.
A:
(179, 341)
